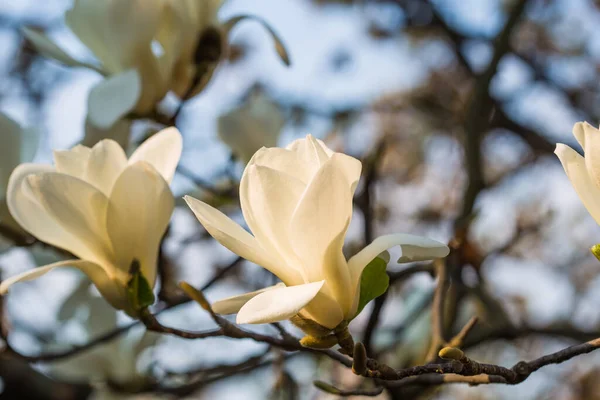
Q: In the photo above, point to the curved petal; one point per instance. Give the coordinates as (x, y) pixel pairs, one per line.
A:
(46, 47)
(109, 289)
(139, 210)
(79, 208)
(576, 170)
(311, 151)
(232, 305)
(283, 160)
(351, 167)
(34, 218)
(113, 98)
(324, 310)
(162, 151)
(106, 162)
(268, 199)
(73, 162)
(278, 304)
(414, 248)
(236, 239)
(590, 140)
(318, 228)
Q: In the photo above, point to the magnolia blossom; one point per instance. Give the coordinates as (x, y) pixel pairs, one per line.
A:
(255, 124)
(584, 172)
(103, 208)
(144, 48)
(17, 145)
(297, 202)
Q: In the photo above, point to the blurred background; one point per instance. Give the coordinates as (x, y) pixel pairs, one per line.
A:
(454, 106)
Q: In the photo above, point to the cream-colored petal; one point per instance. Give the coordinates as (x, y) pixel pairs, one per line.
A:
(278, 304)
(318, 228)
(28, 211)
(232, 305)
(268, 199)
(106, 162)
(46, 47)
(591, 149)
(310, 151)
(109, 289)
(73, 162)
(236, 239)
(79, 208)
(162, 151)
(579, 132)
(283, 160)
(324, 310)
(576, 170)
(139, 211)
(414, 248)
(113, 98)
(351, 167)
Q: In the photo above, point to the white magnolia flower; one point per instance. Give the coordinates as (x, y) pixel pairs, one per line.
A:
(584, 173)
(257, 123)
(120, 34)
(17, 145)
(106, 210)
(297, 202)
(144, 48)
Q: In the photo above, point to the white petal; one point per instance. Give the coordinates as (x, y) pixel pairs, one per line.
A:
(109, 289)
(579, 132)
(28, 211)
(78, 208)
(268, 199)
(106, 162)
(576, 170)
(414, 248)
(324, 310)
(113, 98)
(278, 304)
(351, 167)
(139, 211)
(236, 239)
(73, 162)
(46, 47)
(318, 228)
(232, 305)
(162, 151)
(311, 150)
(283, 160)
(591, 149)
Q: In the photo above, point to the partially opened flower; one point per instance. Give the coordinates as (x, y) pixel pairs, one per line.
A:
(17, 145)
(120, 34)
(297, 202)
(584, 173)
(108, 211)
(144, 48)
(257, 123)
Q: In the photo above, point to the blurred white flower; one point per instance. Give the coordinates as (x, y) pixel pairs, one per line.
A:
(257, 123)
(17, 145)
(106, 210)
(144, 48)
(584, 173)
(297, 202)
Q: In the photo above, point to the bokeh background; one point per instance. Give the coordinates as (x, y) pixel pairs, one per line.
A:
(406, 86)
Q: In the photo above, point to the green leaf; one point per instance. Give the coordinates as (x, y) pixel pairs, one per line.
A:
(374, 281)
(139, 291)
